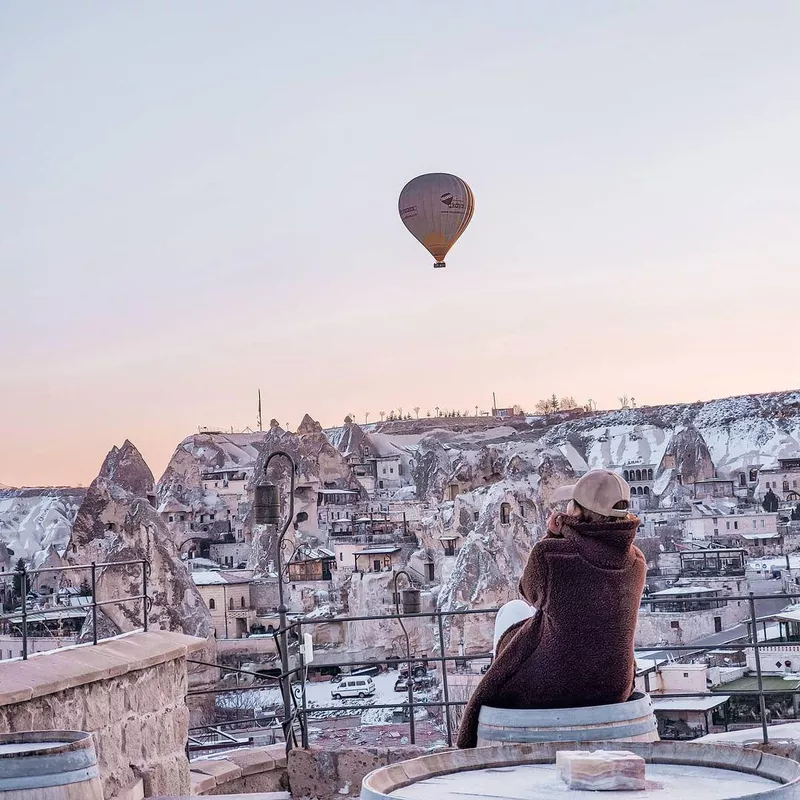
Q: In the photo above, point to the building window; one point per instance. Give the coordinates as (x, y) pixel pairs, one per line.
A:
(716, 531)
(391, 469)
(742, 479)
(755, 523)
(736, 525)
(230, 604)
(762, 523)
(786, 486)
(212, 604)
(647, 490)
(675, 624)
(727, 525)
(649, 474)
(753, 475)
(685, 674)
(341, 556)
(211, 517)
(171, 518)
(505, 513)
(242, 603)
(638, 474)
(625, 475)
(476, 516)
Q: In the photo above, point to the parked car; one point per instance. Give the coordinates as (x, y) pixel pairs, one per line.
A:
(353, 687)
(417, 670)
(420, 683)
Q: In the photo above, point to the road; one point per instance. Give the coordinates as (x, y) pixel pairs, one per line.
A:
(763, 608)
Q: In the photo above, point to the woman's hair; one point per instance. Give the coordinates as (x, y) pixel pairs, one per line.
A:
(575, 509)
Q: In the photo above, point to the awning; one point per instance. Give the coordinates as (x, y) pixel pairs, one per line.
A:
(689, 703)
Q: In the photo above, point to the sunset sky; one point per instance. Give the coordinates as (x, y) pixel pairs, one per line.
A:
(200, 199)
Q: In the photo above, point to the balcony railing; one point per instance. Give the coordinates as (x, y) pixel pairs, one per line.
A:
(20, 620)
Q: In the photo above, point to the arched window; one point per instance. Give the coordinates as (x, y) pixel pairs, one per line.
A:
(230, 604)
(639, 490)
(212, 604)
(625, 475)
(505, 513)
(742, 479)
(649, 474)
(638, 474)
(647, 490)
(242, 603)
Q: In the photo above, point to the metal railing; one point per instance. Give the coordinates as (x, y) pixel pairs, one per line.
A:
(299, 711)
(20, 619)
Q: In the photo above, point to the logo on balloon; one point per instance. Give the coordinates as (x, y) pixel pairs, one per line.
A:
(451, 202)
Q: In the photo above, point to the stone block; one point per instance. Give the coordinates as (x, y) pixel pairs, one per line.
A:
(600, 770)
(97, 707)
(201, 783)
(132, 740)
(222, 769)
(253, 760)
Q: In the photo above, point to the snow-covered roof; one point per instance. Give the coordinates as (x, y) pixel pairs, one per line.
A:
(207, 577)
(313, 554)
(678, 591)
(377, 551)
(754, 536)
(449, 538)
(213, 578)
(337, 491)
(689, 703)
(790, 615)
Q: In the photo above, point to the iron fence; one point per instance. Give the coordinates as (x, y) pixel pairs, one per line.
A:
(299, 712)
(21, 618)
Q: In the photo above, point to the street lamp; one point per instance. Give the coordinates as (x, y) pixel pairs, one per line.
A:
(408, 605)
(267, 511)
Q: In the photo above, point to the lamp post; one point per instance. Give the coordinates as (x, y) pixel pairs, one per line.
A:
(267, 511)
(410, 679)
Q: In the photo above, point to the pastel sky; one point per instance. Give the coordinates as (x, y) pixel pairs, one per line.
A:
(199, 199)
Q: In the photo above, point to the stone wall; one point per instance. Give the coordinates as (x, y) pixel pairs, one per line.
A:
(128, 691)
(656, 627)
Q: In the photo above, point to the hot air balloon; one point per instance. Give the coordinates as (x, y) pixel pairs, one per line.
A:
(436, 208)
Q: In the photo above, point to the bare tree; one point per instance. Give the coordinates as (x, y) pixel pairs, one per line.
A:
(366, 417)
(383, 414)
(400, 412)
(591, 405)
(624, 402)
(437, 410)
(416, 411)
(543, 406)
(567, 403)
(633, 402)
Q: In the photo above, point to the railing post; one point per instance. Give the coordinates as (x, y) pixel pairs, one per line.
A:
(94, 603)
(444, 682)
(303, 706)
(145, 599)
(754, 641)
(23, 585)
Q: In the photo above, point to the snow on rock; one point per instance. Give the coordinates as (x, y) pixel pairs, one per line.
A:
(116, 522)
(34, 520)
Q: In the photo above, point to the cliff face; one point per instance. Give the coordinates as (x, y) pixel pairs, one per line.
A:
(116, 522)
(32, 521)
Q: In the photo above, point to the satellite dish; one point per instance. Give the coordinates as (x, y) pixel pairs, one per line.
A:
(436, 208)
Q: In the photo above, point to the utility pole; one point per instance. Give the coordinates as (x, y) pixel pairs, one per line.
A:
(260, 427)
(494, 405)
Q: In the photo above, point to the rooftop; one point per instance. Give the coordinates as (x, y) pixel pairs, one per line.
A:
(369, 551)
(679, 591)
(689, 703)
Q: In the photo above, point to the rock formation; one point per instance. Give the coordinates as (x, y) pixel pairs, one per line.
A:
(116, 522)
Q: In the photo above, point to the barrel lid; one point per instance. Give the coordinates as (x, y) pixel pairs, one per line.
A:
(12, 745)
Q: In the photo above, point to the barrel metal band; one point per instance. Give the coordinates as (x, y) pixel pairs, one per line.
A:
(552, 717)
(564, 734)
(46, 781)
(48, 764)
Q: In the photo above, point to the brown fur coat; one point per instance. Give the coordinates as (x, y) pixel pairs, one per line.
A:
(586, 583)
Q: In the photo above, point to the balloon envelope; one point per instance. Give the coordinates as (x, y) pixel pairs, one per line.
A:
(436, 208)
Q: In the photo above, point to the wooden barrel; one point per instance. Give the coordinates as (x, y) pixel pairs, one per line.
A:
(49, 765)
(632, 721)
(684, 770)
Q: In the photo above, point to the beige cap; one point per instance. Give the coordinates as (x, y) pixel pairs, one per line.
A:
(599, 491)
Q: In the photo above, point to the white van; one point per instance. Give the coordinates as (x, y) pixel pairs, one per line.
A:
(361, 686)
